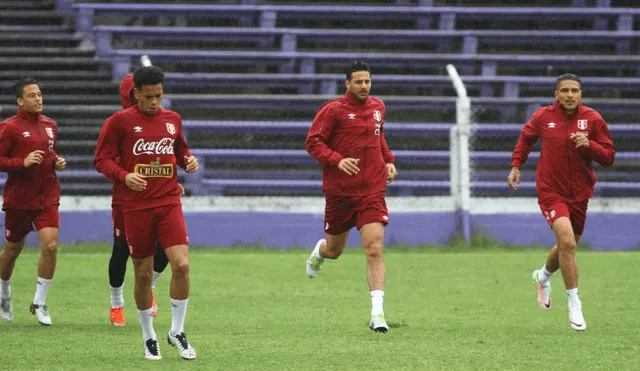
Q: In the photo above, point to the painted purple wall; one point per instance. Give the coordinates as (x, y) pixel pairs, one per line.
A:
(603, 231)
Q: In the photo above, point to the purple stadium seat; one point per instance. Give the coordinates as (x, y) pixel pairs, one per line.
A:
(443, 18)
(331, 83)
(289, 37)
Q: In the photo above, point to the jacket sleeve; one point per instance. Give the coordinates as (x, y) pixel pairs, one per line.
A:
(55, 146)
(181, 149)
(319, 134)
(528, 137)
(8, 164)
(108, 150)
(387, 155)
(601, 148)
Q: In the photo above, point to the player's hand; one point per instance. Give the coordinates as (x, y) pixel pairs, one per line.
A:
(136, 182)
(192, 164)
(60, 163)
(514, 178)
(580, 139)
(34, 158)
(181, 189)
(349, 165)
(392, 173)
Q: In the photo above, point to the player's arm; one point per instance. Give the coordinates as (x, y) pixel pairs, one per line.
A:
(59, 163)
(108, 150)
(184, 158)
(528, 137)
(319, 134)
(389, 158)
(11, 164)
(601, 148)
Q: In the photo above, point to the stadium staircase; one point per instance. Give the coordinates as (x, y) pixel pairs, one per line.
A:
(36, 40)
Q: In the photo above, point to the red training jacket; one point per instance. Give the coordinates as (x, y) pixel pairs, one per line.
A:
(345, 127)
(564, 170)
(151, 145)
(37, 186)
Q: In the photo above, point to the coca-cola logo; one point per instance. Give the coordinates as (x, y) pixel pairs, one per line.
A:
(162, 147)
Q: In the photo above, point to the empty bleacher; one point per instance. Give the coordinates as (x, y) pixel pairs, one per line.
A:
(248, 77)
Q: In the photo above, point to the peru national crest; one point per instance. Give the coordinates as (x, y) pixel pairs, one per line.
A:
(377, 115)
(582, 124)
(171, 128)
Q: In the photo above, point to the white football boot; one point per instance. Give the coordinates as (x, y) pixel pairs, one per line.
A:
(313, 263)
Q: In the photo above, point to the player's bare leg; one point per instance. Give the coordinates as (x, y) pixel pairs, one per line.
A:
(46, 269)
(143, 269)
(569, 267)
(8, 259)
(179, 259)
(331, 247)
(372, 235)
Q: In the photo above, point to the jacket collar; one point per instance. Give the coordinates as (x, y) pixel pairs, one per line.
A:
(31, 117)
(351, 99)
(557, 106)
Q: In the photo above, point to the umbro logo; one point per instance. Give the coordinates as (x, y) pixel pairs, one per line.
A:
(551, 125)
(26, 134)
(352, 116)
(137, 129)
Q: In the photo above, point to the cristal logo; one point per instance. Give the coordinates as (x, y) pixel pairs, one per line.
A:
(162, 147)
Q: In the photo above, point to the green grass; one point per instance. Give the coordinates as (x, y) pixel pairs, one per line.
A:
(256, 310)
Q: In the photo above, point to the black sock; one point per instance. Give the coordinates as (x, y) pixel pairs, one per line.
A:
(118, 263)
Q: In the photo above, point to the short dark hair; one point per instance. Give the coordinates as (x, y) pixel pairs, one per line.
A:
(568, 76)
(356, 66)
(18, 86)
(148, 75)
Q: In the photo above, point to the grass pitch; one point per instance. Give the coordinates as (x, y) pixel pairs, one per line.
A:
(253, 309)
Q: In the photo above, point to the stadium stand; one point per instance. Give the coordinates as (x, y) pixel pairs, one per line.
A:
(248, 78)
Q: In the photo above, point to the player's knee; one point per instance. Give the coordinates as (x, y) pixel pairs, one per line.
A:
(13, 248)
(567, 243)
(180, 268)
(144, 277)
(50, 248)
(373, 250)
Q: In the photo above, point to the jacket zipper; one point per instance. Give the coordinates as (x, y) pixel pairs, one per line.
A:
(364, 155)
(566, 124)
(40, 128)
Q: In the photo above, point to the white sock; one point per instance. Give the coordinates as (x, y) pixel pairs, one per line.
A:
(156, 275)
(574, 300)
(544, 276)
(42, 287)
(117, 300)
(5, 289)
(178, 313)
(316, 250)
(377, 297)
(146, 321)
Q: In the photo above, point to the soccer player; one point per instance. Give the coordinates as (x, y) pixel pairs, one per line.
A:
(347, 138)
(120, 251)
(149, 142)
(31, 194)
(573, 135)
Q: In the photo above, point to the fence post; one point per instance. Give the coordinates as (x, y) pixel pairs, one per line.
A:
(460, 144)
